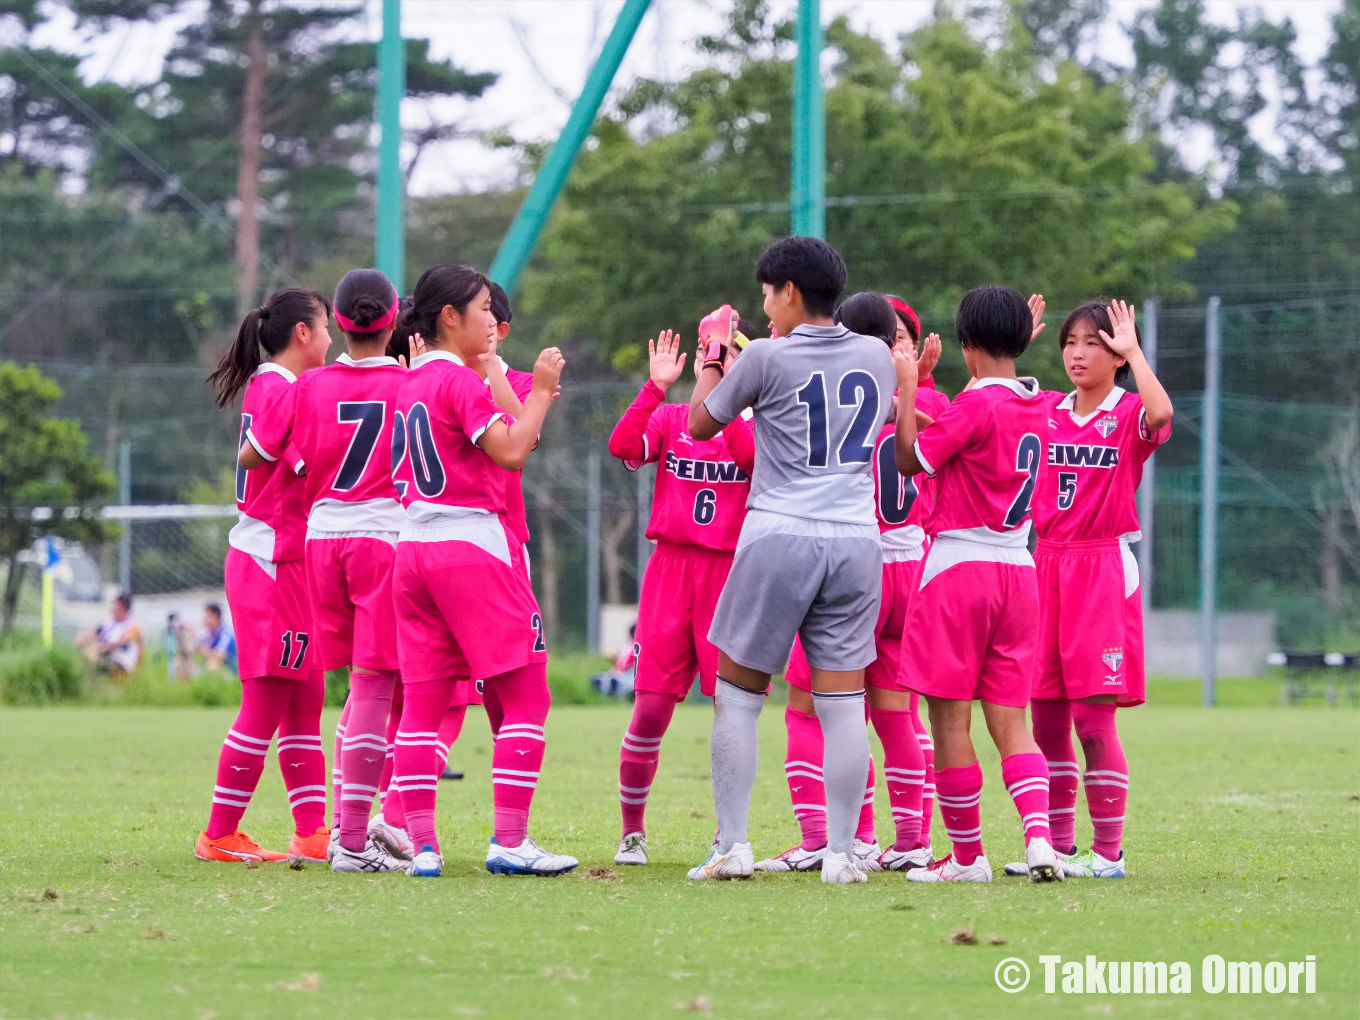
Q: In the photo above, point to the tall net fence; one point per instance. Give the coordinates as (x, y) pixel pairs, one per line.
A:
(1289, 492)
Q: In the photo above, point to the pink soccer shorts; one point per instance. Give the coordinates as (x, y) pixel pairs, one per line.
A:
(900, 580)
(675, 609)
(971, 633)
(271, 617)
(1090, 622)
(465, 612)
(349, 582)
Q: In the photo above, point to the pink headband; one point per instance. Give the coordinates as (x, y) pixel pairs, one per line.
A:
(389, 317)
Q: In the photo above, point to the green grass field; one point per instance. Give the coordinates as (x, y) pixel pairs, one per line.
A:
(1244, 840)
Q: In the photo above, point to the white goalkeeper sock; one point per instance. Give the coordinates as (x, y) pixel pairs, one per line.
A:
(733, 752)
(845, 764)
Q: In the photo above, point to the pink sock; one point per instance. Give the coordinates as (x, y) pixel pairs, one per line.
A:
(960, 796)
(639, 755)
(1052, 721)
(865, 830)
(449, 729)
(370, 701)
(928, 755)
(904, 767)
(415, 777)
(1107, 775)
(518, 755)
(391, 759)
(1026, 779)
(263, 700)
(491, 705)
(803, 769)
(301, 758)
(337, 772)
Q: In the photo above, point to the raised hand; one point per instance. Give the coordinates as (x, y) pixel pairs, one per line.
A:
(548, 370)
(930, 356)
(664, 358)
(1125, 339)
(1036, 311)
(418, 348)
(904, 362)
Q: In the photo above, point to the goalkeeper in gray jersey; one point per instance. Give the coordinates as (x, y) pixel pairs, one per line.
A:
(808, 561)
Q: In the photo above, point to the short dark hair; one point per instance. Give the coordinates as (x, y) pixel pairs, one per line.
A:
(500, 303)
(1097, 313)
(748, 329)
(124, 599)
(811, 265)
(215, 609)
(869, 314)
(994, 320)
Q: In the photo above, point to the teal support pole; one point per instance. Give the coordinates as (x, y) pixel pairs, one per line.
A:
(533, 214)
(809, 126)
(390, 253)
(1208, 508)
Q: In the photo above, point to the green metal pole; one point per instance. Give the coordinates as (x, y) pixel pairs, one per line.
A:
(390, 254)
(533, 214)
(809, 126)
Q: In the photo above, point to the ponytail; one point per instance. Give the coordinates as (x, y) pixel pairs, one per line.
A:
(268, 328)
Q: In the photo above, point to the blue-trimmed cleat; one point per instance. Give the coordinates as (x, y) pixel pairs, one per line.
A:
(427, 863)
(526, 859)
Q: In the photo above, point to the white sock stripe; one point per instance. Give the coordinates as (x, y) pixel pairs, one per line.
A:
(1107, 782)
(899, 812)
(633, 800)
(297, 745)
(813, 808)
(1062, 811)
(638, 748)
(372, 791)
(1107, 772)
(417, 733)
(630, 735)
(308, 738)
(1106, 820)
(305, 789)
(234, 793)
(513, 772)
(527, 735)
(963, 834)
(1027, 786)
(246, 738)
(412, 777)
(362, 743)
(430, 742)
(307, 800)
(634, 789)
(245, 750)
(794, 763)
(890, 771)
(229, 802)
(1031, 819)
(517, 727)
(971, 800)
(514, 782)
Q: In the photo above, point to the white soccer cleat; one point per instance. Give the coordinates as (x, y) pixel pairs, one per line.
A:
(739, 862)
(526, 859)
(794, 859)
(1016, 869)
(334, 844)
(392, 838)
(1089, 864)
(426, 864)
(866, 855)
(1043, 862)
(632, 849)
(372, 858)
(840, 869)
(905, 860)
(946, 869)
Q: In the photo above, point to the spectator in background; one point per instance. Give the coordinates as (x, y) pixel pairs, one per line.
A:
(216, 641)
(115, 646)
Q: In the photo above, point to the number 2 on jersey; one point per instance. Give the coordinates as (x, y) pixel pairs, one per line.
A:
(856, 389)
(1028, 453)
(368, 415)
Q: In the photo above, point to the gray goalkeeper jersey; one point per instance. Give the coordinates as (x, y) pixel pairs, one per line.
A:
(820, 396)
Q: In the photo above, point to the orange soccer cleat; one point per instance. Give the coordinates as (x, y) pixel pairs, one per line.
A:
(234, 846)
(310, 848)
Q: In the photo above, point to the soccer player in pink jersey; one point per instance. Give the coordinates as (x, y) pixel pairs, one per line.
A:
(282, 690)
(971, 629)
(468, 614)
(339, 420)
(697, 509)
(900, 509)
(1090, 657)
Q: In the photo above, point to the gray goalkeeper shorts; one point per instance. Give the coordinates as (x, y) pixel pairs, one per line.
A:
(826, 590)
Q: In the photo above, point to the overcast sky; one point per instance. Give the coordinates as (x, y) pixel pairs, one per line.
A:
(542, 51)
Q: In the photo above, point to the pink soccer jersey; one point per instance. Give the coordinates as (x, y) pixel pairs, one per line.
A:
(339, 419)
(903, 502)
(1094, 467)
(516, 519)
(986, 451)
(443, 408)
(270, 499)
(701, 485)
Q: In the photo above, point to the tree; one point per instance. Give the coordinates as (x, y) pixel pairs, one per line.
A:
(950, 163)
(44, 462)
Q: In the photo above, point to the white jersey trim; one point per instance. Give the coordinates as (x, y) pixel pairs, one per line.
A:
(256, 538)
(430, 356)
(1017, 539)
(926, 466)
(902, 544)
(485, 531)
(1111, 401)
(380, 514)
(377, 361)
(255, 443)
(1025, 386)
(476, 437)
(269, 366)
(390, 537)
(947, 551)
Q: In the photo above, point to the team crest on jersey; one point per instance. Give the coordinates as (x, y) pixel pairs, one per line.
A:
(1113, 659)
(1107, 425)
